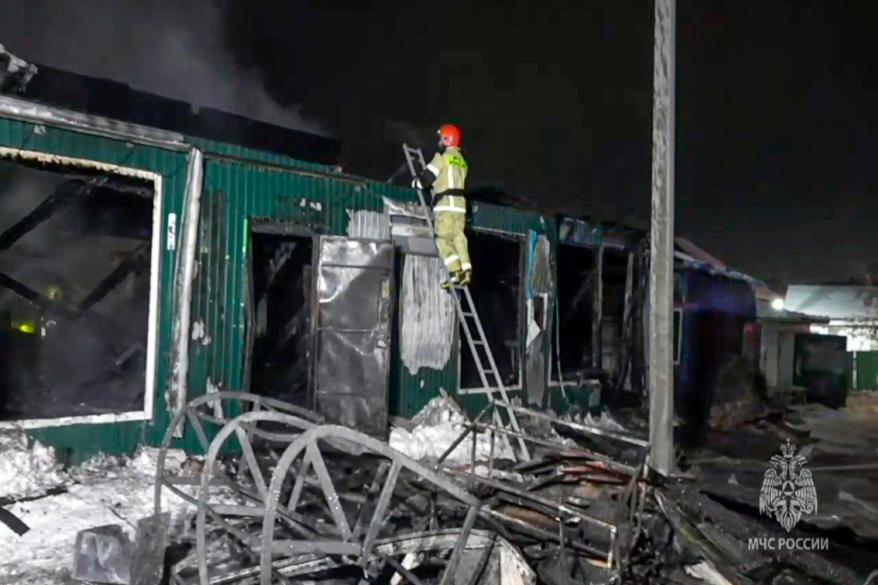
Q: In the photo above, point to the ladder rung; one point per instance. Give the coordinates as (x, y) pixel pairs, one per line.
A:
(465, 314)
(475, 342)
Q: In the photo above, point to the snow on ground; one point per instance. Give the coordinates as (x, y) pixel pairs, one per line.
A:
(26, 471)
(105, 490)
(437, 426)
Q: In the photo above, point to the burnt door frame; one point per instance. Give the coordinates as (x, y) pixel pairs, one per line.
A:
(520, 314)
(271, 227)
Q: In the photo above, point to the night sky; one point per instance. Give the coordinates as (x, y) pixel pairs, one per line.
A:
(777, 146)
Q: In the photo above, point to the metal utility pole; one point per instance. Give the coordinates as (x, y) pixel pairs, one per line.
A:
(661, 275)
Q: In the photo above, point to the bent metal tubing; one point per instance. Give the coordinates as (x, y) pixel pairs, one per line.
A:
(356, 543)
(194, 413)
(242, 428)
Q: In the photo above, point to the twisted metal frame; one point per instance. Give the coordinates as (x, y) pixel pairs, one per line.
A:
(209, 409)
(357, 542)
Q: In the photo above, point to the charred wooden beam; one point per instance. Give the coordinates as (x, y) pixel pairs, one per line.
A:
(44, 303)
(136, 260)
(46, 209)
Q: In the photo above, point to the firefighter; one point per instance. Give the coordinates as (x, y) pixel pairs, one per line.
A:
(446, 177)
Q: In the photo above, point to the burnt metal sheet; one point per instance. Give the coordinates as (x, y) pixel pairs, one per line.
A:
(352, 331)
(409, 228)
(368, 224)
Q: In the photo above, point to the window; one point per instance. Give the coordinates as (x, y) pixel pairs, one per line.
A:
(78, 291)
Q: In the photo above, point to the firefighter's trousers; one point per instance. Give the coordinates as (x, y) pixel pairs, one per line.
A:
(451, 240)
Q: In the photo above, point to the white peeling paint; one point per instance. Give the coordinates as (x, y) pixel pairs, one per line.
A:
(533, 330)
(212, 388)
(426, 315)
(171, 244)
(66, 421)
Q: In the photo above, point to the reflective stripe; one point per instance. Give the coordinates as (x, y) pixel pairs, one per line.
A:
(450, 178)
(448, 209)
(466, 266)
(451, 259)
(433, 169)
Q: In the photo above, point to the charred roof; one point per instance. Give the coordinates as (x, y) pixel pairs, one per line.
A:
(111, 99)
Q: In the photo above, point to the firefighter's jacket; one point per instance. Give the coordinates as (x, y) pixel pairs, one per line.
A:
(446, 176)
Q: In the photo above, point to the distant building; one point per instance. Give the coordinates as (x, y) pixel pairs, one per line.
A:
(779, 329)
(849, 311)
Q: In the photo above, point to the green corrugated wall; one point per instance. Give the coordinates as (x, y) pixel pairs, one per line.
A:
(238, 191)
(239, 185)
(235, 191)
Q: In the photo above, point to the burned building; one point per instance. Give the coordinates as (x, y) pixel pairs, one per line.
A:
(142, 267)
(166, 287)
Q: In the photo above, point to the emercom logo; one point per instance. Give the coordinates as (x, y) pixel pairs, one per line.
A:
(787, 488)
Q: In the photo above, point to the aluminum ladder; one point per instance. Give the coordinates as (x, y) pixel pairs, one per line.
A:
(470, 322)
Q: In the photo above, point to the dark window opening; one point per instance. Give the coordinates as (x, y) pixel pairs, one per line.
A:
(615, 270)
(575, 303)
(75, 261)
(281, 316)
(496, 291)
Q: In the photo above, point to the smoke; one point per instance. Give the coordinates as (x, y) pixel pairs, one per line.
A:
(175, 49)
(401, 131)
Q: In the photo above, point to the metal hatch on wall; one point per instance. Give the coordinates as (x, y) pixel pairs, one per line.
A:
(352, 331)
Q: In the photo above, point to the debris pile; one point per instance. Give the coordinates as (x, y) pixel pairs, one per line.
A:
(284, 498)
(281, 497)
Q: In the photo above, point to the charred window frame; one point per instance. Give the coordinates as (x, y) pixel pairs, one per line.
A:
(151, 187)
(588, 332)
(264, 228)
(463, 347)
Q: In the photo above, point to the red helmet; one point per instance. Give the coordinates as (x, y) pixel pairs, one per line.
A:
(449, 135)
